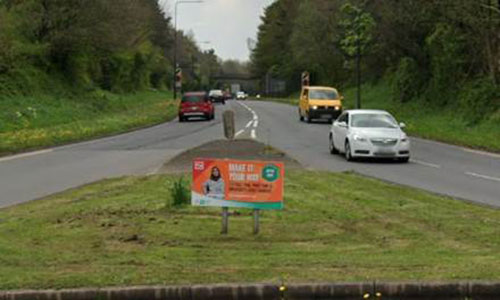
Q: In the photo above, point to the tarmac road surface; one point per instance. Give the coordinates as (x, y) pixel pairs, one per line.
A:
(436, 167)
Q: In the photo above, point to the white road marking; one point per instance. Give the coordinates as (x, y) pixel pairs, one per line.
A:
(423, 163)
(25, 155)
(491, 154)
(239, 132)
(255, 120)
(483, 176)
(154, 171)
(481, 152)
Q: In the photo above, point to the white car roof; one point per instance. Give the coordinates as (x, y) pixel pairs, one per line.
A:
(367, 111)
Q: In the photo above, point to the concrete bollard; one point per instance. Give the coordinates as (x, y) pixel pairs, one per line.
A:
(228, 123)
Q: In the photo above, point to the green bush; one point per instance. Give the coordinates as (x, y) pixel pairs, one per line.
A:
(408, 81)
(479, 99)
(179, 193)
(446, 50)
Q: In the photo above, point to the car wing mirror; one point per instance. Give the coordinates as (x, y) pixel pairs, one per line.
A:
(402, 125)
(342, 124)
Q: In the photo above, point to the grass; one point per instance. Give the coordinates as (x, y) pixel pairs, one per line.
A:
(125, 231)
(426, 121)
(29, 122)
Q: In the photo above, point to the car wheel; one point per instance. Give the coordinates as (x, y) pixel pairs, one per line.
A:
(301, 118)
(348, 154)
(181, 119)
(404, 159)
(309, 118)
(333, 150)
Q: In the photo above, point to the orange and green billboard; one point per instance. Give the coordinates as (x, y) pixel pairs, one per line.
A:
(235, 183)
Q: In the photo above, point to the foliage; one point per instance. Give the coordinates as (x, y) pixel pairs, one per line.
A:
(357, 26)
(117, 45)
(433, 48)
(446, 51)
(179, 192)
(478, 100)
(408, 80)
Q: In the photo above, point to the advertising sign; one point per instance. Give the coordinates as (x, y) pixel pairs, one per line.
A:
(233, 183)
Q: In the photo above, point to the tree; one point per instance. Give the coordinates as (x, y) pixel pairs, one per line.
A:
(356, 39)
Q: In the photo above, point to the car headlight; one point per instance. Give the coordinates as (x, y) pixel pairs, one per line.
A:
(337, 107)
(314, 107)
(359, 138)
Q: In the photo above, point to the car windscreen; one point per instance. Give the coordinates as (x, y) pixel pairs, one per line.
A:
(323, 94)
(215, 93)
(373, 121)
(192, 99)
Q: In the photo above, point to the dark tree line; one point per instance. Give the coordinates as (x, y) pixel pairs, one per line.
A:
(447, 51)
(118, 45)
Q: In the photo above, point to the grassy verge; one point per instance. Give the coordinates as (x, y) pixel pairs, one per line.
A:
(424, 120)
(124, 231)
(34, 122)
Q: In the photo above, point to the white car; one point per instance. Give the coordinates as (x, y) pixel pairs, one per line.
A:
(241, 95)
(369, 133)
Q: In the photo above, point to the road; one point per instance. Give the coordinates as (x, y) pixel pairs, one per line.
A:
(436, 167)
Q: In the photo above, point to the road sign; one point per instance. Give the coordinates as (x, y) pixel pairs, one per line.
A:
(306, 78)
(178, 75)
(233, 183)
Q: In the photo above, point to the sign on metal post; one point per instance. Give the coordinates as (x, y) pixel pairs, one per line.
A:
(227, 183)
(178, 78)
(305, 78)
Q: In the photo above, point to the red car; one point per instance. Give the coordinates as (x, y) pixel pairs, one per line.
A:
(196, 105)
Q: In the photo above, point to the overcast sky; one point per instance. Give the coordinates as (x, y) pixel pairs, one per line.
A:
(225, 24)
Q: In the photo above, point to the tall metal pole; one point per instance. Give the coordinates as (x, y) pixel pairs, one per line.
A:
(358, 63)
(175, 52)
(175, 40)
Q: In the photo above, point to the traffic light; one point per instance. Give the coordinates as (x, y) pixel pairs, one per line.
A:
(178, 75)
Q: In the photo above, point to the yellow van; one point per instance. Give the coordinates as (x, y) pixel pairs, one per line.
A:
(319, 102)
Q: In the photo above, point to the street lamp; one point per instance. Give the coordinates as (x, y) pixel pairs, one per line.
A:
(175, 38)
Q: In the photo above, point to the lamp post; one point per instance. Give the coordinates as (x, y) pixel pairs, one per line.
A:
(175, 39)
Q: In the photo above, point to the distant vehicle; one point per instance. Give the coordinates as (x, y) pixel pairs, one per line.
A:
(196, 104)
(317, 102)
(217, 96)
(369, 133)
(241, 95)
(227, 95)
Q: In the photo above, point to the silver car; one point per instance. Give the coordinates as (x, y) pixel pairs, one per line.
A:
(369, 133)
